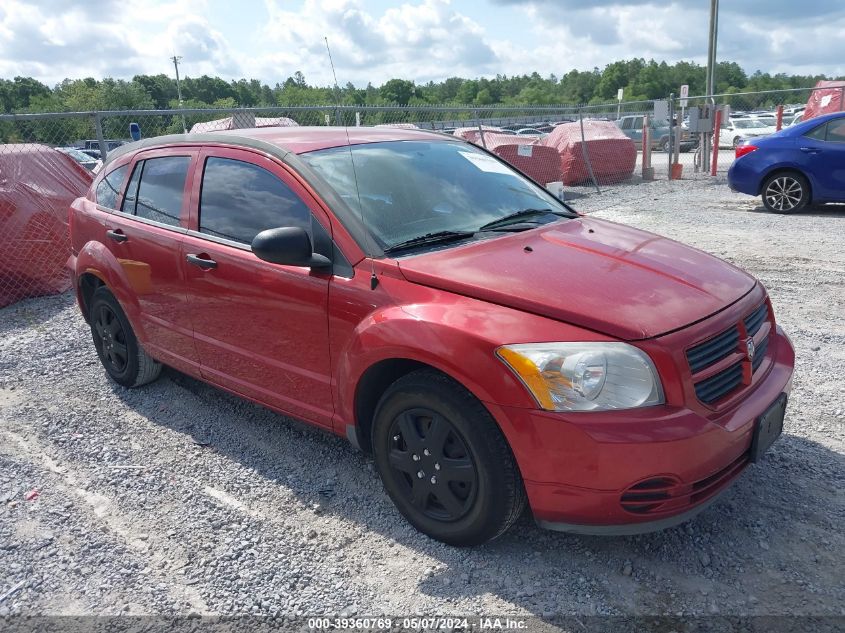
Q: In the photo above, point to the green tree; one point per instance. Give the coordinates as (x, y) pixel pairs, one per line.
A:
(398, 91)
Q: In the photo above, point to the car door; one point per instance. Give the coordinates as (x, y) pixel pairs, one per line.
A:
(261, 329)
(636, 132)
(823, 150)
(145, 235)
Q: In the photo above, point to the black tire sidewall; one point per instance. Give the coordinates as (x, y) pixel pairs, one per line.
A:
(805, 192)
(129, 375)
(490, 510)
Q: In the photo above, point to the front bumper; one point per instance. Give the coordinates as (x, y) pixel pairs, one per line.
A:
(577, 467)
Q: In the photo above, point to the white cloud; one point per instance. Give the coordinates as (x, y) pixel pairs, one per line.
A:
(415, 39)
(51, 40)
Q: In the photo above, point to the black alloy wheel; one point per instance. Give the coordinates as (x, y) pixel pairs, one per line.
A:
(122, 356)
(444, 461)
(112, 342)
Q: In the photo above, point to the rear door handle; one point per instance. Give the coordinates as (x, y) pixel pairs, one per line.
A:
(202, 261)
(117, 235)
(811, 150)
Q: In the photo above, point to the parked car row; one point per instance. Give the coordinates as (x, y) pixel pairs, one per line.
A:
(632, 127)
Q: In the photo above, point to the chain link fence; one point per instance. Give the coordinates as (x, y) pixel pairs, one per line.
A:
(49, 159)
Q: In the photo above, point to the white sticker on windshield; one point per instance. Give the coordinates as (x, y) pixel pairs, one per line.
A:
(525, 150)
(486, 163)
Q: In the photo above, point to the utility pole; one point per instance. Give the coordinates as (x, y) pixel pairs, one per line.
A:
(711, 74)
(176, 61)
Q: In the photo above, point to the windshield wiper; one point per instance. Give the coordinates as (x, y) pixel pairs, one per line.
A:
(518, 215)
(430, 238)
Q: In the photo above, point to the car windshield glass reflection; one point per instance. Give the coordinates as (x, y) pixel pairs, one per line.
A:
(747, 124)
(411, 188)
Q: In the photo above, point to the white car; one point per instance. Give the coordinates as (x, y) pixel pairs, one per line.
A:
(737, 131)
(796, 119)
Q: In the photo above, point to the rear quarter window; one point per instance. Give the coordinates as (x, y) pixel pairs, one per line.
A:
(836, 131)
(108, 189)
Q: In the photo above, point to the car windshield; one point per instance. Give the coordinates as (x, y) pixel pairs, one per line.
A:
(749, 123)
(76, 154)
(410, 189)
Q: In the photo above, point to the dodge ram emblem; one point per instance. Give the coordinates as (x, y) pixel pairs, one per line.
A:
(749, 348)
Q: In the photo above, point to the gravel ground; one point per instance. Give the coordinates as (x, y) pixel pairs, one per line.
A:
(177, 498)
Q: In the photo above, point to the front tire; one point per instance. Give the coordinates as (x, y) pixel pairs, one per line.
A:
(123, 358)
(444, 462)
(786, 192)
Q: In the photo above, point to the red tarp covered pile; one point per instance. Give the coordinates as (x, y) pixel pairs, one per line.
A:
(523, 152)
(612, 154)
(229, 124)
(826, 100)
(473, 134)
(37, 185)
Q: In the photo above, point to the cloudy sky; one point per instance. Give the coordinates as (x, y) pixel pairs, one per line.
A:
(374, 40)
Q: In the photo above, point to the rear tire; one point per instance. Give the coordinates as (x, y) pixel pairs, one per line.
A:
(444, 462)
(122, 356)
(785, 192)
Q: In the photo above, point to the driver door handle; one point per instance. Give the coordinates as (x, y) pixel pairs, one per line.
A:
(202, 261)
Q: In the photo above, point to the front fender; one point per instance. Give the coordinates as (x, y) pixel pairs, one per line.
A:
(95, 259)
(454, 334)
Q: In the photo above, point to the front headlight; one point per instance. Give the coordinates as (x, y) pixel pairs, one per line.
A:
(585, 376)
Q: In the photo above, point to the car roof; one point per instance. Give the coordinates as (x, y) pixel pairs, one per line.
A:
(296, 140)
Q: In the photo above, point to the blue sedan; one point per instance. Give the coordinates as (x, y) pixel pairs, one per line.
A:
(797, 166)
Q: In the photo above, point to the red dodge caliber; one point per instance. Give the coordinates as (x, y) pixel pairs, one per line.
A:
(489, 346)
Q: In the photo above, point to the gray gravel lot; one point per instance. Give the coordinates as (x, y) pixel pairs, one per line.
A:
(177, 498)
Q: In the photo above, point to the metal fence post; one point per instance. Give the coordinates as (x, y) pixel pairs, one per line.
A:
(101, 140)
(671, 130)
(480, 129)
(585, 154)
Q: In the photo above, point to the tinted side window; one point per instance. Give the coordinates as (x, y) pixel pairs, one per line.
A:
(161, 189)
(836, 131)
(239, 200)
(109, 188)
(817, 132)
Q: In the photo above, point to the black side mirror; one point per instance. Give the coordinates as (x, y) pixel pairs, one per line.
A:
(289, 245)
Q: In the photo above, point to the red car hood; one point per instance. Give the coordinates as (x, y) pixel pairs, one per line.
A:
(595, 274)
